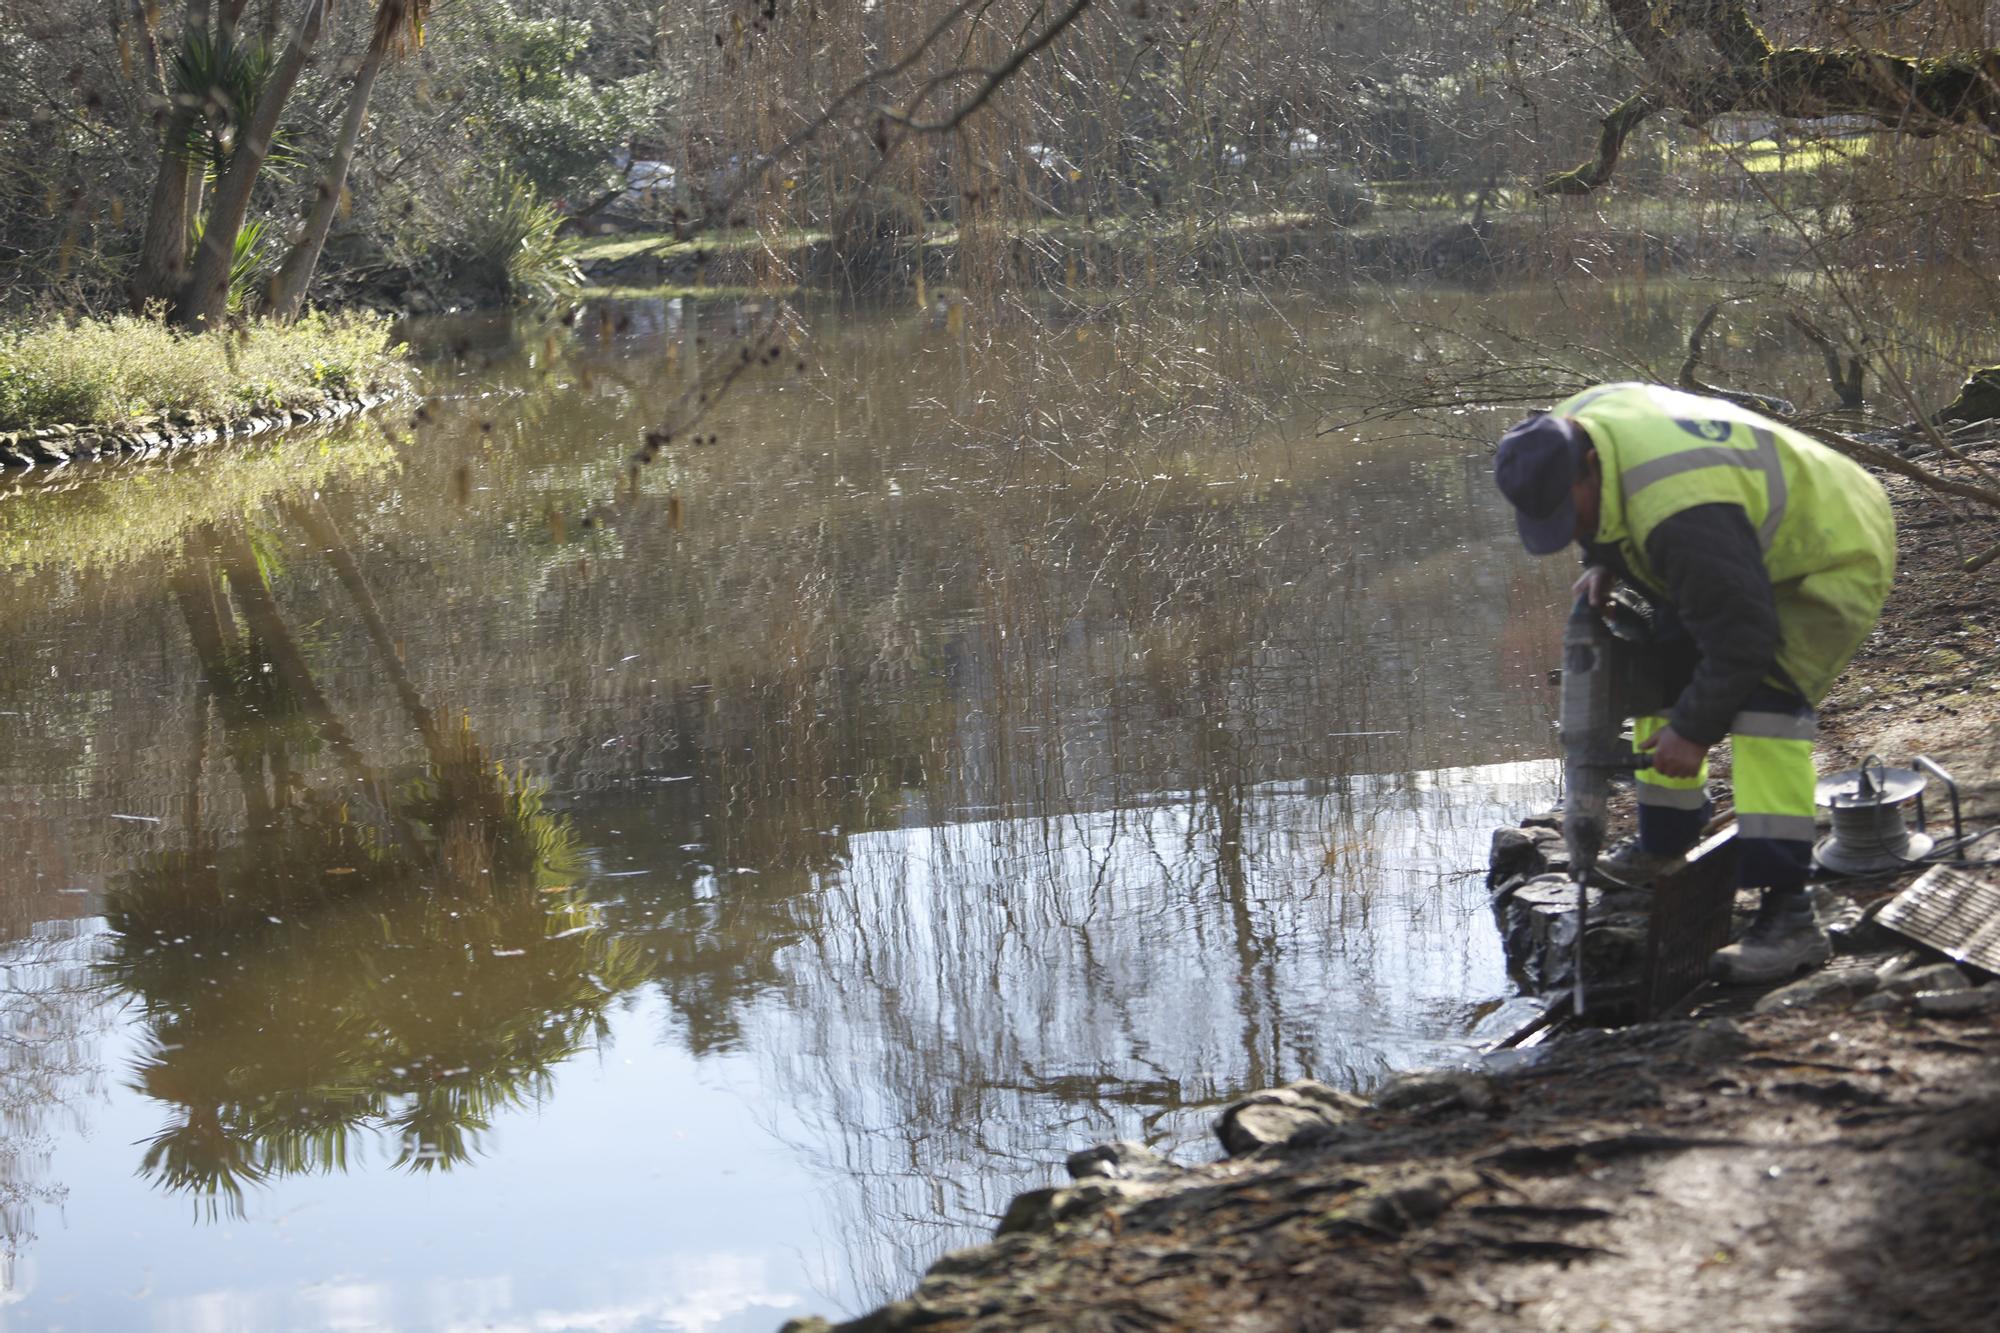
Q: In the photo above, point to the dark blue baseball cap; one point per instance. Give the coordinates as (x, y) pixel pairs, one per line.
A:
(1538, 460)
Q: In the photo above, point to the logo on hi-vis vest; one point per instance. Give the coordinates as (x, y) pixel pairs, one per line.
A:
(1707, 430)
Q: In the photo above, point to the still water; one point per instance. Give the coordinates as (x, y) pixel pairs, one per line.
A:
(449, 883)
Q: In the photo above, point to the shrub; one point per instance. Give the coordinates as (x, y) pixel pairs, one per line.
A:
(502, 240)
(105, 372)
(875, 218)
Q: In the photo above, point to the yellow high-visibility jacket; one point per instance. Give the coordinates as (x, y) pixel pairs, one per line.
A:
(1828, 539)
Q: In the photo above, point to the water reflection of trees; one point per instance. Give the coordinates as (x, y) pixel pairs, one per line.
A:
(1103, 853)
(980, 810)
(50, 1016)
(367, 954)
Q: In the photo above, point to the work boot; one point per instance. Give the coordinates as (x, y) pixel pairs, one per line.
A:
(1784, 938)
(1635, 868)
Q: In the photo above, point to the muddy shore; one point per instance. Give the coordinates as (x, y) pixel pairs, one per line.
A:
(1826, 1156)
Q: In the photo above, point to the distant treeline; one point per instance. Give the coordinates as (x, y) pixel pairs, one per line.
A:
(213, 157)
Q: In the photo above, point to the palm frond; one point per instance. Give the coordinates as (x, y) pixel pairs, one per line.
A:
(219, 79)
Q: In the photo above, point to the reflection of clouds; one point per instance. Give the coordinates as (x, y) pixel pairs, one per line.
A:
(352, 1307)
(209, 1312)
(697, 1293)
(685, 1294)
(349, 1307)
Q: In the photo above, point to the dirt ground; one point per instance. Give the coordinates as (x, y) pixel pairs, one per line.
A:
(1818, 1167)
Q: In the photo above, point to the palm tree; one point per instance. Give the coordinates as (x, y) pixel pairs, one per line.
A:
(204, 298)
(399, 25)
(177, 190)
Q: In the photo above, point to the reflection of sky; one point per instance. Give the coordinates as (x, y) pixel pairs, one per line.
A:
(976, 1001)
(640, 1196)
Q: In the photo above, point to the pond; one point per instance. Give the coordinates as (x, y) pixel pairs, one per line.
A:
(453, 878)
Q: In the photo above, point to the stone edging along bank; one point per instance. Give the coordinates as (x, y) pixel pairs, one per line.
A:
(55, 446)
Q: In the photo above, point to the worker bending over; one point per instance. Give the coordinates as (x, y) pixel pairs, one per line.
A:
(1768, 557)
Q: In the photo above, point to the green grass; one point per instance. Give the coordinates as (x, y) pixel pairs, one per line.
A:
(626, 245)
(1115, 228)
(1806, 155)
(670, 290)
(108, 373)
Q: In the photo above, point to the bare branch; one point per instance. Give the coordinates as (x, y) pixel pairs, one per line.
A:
(995, 76)
(1847, 381)
(1618, 123)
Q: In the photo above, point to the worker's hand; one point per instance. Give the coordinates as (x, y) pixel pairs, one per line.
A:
(1674, 755)
(1596, 584)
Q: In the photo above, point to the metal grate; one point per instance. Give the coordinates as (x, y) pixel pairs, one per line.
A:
(1690, 921)
(1954, 913)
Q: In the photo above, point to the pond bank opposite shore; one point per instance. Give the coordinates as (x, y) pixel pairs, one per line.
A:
(1120, 252)
(1824, 1155)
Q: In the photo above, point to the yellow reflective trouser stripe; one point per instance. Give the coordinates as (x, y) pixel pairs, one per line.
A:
(1774, 787)
(1655, 787)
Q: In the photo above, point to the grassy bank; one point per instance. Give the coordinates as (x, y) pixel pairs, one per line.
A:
(107, 373)
(1406, 235)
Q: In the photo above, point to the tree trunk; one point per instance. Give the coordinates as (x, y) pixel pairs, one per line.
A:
(162, 265)
(288, 289)
(204, 299)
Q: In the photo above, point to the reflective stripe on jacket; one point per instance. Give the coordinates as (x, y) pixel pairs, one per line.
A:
(1828, 538)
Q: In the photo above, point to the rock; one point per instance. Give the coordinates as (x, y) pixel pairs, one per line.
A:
(1537, 913)
(1437, 1090)
(1829, 986)
(1554, 850)
(1882, 1002)
(1295, 1116)
(1120, 1160)
(1507, 1018)
(1030, 1210)
(1108, 1175)
(1411, 1206)
(1525, 853)
(812, 1323)
(1515, 854)
(1711, 1041)
(1963, 1002)
(1044, 1210)
(1538, 932)
(1930, 977)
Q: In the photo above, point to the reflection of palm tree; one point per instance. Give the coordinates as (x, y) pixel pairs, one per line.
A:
(319, 977)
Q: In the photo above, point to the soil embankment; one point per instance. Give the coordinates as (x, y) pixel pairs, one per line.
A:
(1822, 1157)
